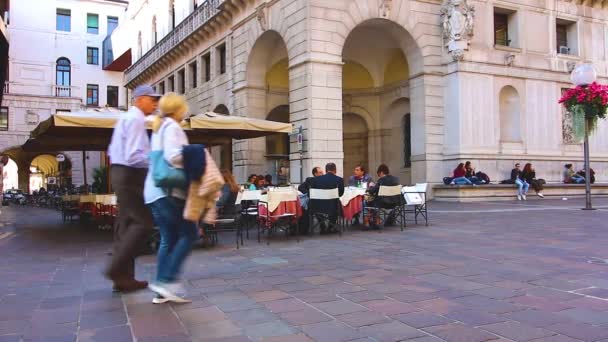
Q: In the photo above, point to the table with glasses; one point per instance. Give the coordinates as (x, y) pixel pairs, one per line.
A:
(352, 202)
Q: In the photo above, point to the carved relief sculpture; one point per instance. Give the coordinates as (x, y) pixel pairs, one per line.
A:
(261, 16)
(385, 8)
(457, 18)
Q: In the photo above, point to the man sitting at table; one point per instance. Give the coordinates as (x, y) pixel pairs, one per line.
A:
(305, 187)
(330, 208)
(359, 177)
(384, 179)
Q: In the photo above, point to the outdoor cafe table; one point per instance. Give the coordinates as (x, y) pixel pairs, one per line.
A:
(280, 202)
(352, 202)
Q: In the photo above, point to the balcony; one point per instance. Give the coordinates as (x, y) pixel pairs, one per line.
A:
(185, 29)
(62, 91)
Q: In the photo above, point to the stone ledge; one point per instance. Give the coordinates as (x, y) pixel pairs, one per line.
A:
(498, 192)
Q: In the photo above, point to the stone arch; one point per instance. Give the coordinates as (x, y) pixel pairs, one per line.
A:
(510, 114)
(400, 32)
(268, 50)
(221, 109)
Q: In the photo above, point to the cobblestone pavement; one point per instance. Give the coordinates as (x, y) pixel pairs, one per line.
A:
(507, 271)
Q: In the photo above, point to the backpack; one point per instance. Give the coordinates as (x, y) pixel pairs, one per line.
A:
(447, 180)
(483, 177)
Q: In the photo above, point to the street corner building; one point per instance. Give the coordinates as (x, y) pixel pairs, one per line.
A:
(418, 85)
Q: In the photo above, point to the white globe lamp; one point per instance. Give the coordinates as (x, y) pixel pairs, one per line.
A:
(583, 75)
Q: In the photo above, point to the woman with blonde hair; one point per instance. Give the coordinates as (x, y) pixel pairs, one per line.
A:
(177, 235)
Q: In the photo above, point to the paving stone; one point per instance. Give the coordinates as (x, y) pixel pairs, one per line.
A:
(267, 296)
(540, 303)
(321, 280)
(288, 338)
(215, 330)
(389, 332)
(363, 318)
(201, 316)
(285, 305)
(10, 338)
(586, 315)
(421, 320)
(595, 292)
(440, 306)
(315, 296)
(536, 318)
(580, 331)
(13, 327)
(498, 293)
(339, 307)
(411, 297)
(252, 317)
(556, 338)
(156, 325)
(517, 331)
(554, 294)
(425, 339)
(389, 307)
(115, 334)
(460, 333)
(102, 319)
(306, 316)
(239, 305)
(475, 317)
(362, 296)
(331, 332)
(268, 329)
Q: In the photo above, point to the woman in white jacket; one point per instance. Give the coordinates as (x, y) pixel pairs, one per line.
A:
(177, 235)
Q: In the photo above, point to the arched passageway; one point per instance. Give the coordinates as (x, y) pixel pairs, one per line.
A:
(376, 92)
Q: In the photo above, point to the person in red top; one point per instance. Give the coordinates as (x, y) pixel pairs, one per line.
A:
(459, 176)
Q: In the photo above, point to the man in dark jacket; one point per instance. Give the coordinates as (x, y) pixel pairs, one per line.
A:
(386, 179)
(328, 207)
(305, 187)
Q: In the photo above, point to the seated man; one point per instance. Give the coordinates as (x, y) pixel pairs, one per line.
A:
(359, 177)
(328, 207)
(384, 179)
(305, 187)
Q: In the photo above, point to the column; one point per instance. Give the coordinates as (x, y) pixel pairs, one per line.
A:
(316, 105)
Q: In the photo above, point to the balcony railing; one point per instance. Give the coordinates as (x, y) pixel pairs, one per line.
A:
(62, 91)
(187, 27)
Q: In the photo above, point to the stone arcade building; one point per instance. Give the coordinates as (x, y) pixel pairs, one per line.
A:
(418, 84)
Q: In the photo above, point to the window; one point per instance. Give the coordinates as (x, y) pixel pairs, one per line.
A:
(64, 22)
(192, 72)
(221, 53)
(92, 55)
(112, 96)
(171, 83)
(566, 37)
(92, 23)
(505, 27)
(181, 79)
(195, 4)
(407, 141)
(3, 118)
(112, 24)
(161, 88)
(92, 95)
(63, 77)
(207, 63)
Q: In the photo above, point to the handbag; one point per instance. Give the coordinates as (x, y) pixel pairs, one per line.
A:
(163, 174)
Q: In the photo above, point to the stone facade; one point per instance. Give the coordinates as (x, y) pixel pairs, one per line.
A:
(357, 73)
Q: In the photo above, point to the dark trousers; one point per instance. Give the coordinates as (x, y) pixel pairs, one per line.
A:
(134, 224)
(537, 184)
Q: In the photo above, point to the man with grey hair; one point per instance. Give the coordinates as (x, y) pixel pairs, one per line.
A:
(128, 153)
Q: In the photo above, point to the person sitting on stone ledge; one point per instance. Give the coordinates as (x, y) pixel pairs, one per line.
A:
(571, 177)
(459, 176)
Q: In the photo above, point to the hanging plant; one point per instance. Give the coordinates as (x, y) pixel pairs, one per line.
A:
(586, 103)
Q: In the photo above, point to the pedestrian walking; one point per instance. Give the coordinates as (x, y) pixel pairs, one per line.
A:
(128, 154)
(177, 235)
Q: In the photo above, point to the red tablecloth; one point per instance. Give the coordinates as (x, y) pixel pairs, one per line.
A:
(292, 207)
(354, 207)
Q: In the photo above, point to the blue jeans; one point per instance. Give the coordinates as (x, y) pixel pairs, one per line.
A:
(577, 179)
(522, 186)
(462, 181)
(177, 236)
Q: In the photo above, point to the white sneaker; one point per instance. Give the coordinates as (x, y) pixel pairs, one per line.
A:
(169, 292)
(159, 299)
(452, 183)
(519, 197)
(540, 194)
(524, 197)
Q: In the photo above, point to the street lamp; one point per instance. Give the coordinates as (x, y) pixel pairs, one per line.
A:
(583, 75)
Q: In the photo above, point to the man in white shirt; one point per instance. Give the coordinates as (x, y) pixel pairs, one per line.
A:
(128, 153)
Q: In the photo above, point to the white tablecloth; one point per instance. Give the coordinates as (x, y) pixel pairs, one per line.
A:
(350, 194)
(274, 198)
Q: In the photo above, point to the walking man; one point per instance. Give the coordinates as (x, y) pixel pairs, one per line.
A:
(128, 153)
